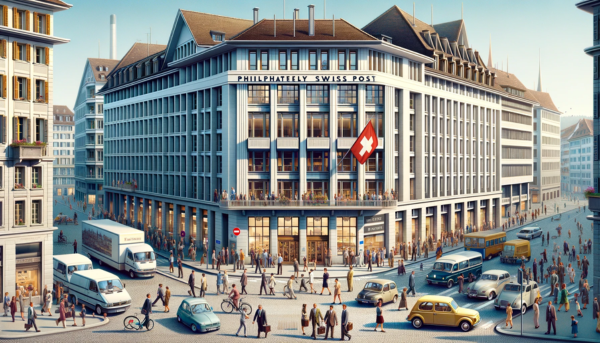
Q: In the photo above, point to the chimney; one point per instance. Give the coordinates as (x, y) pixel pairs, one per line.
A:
(255, 15)
(311, 20)
(296, 13)
(333, 20)
(274, 26)
(113, 36)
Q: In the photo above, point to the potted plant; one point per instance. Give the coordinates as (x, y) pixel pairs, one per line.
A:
(589, 191)
(21, 221)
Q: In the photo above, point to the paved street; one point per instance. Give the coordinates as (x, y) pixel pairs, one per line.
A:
(284, 314)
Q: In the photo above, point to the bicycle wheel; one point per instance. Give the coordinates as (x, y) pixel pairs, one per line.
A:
(131, 323)
(150, 325)
(247, 308)
(227, 307)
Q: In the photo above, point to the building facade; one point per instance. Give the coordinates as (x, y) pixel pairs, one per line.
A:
(89, 132)
(593, 7)
(63, 149)
(258, 107)
(26, 117)
(579, 155)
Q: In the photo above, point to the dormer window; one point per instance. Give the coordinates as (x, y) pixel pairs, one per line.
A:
(155, 66)
(386, 38)
(131, 74)
(513, 91)
(147, 68)
(217, 36)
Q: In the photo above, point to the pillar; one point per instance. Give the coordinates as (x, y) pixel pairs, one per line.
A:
(242, 140)
(273, 242)
(303, 135)
(389, 136)
(302, 239)
(273, 134)
(333, 161)
(360, 237)
(404, 151)
(390, 232)
(437, 222)
(187, 224)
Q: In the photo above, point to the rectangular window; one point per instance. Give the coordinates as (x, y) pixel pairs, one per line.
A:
(293, 60)
(287, 226)
(282, 59)
(287, 94)
(347, 189)
(287, 161)
(258, 161)
(317, 161)
(317, 124)
(374, 95)
(348, 164)
(19, 213)
(40, 91)
(36, 212)
(377, 120)
(19, 177)
(36, 177)
(347, 124)
(258, 94)
(40, 55)
(312, 60)
(264, 60)
(258, 124)
(22, 88)
(287, 124)
(375, 162)
(252, 60)
(353, 60)
(341, 59)
(258, 233)
(324, 60)
(317, 226)
(288, 189)
(347, 94)
(346, 234)
(317, 94)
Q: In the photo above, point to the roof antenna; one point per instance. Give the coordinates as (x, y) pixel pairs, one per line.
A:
(462, 10)
(274, 26)
(431, 14)
(283, 10)
(324, 9)
(414, 14)
(294, 22)
(333, 20)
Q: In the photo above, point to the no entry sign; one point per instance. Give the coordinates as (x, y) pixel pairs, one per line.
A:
(182, 233)
(236, 231)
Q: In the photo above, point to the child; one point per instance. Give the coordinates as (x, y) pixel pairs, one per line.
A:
(574, 329)
(421, 266)
(578, 309)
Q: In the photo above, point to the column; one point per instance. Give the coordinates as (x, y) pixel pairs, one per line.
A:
(419, 162)
(360, 237)
(333, 161)
(361, 122)
(437, 223)
(199, 234)
(165, 209)
(303, 246)
(451, 220)
(333, 238)
(476, 215)
(176, 220)
(303, 135)
(187, 224)
(242, 139)
(273, 133)
(211, 236)
(388, 146)
(407, 227)
(404, 153)
(273, 242)
(489, 213)
(451, 169)
(498, 218)
(390, 230)
(421, 229)
(153, 214)
(144, 212)
(136, 204)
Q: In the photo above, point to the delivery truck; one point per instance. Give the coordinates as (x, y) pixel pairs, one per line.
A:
(118, 246)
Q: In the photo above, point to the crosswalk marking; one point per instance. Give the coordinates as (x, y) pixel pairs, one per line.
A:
(448, 291)
(487, 303)
(487, 325)
(467, 305)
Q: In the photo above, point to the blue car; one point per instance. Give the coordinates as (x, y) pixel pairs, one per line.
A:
(198, 315)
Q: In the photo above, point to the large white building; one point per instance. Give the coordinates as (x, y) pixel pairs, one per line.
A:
(63, 149)
(578, 140)
(26, 115)
(269, 107)
(89, 131)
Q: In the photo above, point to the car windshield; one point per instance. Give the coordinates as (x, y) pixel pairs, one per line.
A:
(524, 231)
(512, 288)
(144, 256)
(509, 250)
(79, 268)
(489, 277)
(200, 308)
(454, 304)
(372, 286)
(442, 266)
(109, 286)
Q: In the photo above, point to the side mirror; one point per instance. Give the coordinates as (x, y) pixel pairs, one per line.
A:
(124, 285)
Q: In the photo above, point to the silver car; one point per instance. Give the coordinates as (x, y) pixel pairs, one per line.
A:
(489, 285)
(511, 296)
(530, 232)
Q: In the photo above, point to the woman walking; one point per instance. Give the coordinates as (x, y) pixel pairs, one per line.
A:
(167, 297)
(225, 282)
(536, 313)
(337, 291)
(73, 314)
(13, 307)
(325, 282)
(20, 301)
(401, 268)
(379, 320)
(48, 305)
(62, 316)
(585, 294)
(219, 282)
(272, 284)
(311, 281)
(82, 314)
(509, 316)
(403, 300)
(563, 298)
(304, 319)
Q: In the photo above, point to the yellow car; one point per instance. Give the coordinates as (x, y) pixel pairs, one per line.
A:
(443, 311)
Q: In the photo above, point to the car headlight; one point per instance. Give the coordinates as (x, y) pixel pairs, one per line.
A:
(434, 276)
(444, 278)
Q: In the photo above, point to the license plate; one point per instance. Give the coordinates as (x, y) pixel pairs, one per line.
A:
(120, 310)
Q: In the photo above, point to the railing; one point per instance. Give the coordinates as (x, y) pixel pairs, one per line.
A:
(306, 203)
(125, 187)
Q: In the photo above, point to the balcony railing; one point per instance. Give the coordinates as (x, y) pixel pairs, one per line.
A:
(28, 152)
(306, 203)
(126, 187)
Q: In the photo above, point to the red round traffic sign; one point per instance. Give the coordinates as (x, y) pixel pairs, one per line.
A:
(236, 231)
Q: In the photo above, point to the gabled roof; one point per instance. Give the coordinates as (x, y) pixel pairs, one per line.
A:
(584, 129)
(510, 80)
(62, 110)
(545, 100)
(95, 63)
(450, 30)
(201, 24)
(284, 30)
(137, 52)
(565, 133)
(58, 2)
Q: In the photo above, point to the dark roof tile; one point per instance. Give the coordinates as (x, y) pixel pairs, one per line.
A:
(201, 24)
(263, 30)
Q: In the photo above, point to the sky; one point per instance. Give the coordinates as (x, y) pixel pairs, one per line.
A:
(521, 32)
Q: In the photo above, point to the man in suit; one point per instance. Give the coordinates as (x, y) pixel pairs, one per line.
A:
(257, 269)
(561, 273)
(179, 267)
(596, 308)
(203, 286)
(279, 265)
(192, 283)
(315, 318)
(261, 317)
(147, 309)
(370, 264)
(345, 319)
(244, 282)
(31, 318)
(535, 270)
(159, 295)
(550, 318)
(330, 321)
(411, 283)
(553, 281)
(263, 283)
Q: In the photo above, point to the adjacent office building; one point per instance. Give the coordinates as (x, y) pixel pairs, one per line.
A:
(593, 7)
(272, 107)
(27, 42)
(63, 149)
(89, 131)
(578, 153)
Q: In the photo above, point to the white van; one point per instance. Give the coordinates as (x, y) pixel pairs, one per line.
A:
(64, 265)
(99, 289)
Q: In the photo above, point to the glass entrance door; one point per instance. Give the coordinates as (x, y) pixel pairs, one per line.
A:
(317, 251)
(288, 250)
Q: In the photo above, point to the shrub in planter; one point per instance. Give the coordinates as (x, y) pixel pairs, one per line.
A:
(589, 191)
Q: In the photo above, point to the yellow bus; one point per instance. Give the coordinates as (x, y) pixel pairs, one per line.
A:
(488, 244)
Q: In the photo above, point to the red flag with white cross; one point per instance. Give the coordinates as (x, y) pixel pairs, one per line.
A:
(365, 145)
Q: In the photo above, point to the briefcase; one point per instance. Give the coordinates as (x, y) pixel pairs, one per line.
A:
(321, 330)
(27, 326)
(349, 326)
(304, 323)
(267, 328)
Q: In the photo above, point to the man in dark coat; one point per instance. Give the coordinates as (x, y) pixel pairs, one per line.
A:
(596, 308)
(261, 318)
(192, 283)
(147, 309)
(159, 295)
(550, 318)
(263, 283)
(535, 270)
(179, 268)
(244, 282)
(345, 319)
(315, 318)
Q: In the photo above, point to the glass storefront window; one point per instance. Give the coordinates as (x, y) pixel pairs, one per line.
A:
(170, 220)
(194, 225)
(159, 214)
(181, 218)
(317, 226)
(287, 226)
(28, 268)
(399, 233)
(346, 234)
(205, 228)
(258, 233)
(375, 242)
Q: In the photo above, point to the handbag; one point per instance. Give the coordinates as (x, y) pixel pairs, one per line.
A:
(304, 323)
(267, 328)
(27, 326)
(68, 315)
(321, 330)
(349, 326)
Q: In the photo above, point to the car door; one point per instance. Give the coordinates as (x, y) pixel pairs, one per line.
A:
(185, 310)
(533, 294)
(129, 261)
(426, 311)
(443, 314)
(527, 295)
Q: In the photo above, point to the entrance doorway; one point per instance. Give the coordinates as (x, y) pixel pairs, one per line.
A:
(288, 251)
(317, 250)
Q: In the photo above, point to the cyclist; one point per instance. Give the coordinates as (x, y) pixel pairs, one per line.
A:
(147, 309)
(235, 296)
(61, 237)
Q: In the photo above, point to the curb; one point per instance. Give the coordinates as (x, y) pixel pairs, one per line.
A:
(387, 270)
(42, 333)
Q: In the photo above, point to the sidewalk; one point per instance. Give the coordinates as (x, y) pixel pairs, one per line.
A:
(338, 270)
(45, 324)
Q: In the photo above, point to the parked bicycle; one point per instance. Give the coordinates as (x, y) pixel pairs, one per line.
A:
(134, 323)
(227, 306)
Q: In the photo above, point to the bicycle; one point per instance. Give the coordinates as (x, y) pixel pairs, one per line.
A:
(62, 240)
(134, 323)
(227, 306)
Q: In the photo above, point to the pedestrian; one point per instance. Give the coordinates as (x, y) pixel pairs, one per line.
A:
(279, 264)
(461, 283)
(585, 294)
(272, 284)
(203, 285)
(345, 322)
(234, 295)
(260, 316)
(302, 284)
(83, 313)
(75, 246)
(31, 316)
(147, 310)
(411, 283)
(166, 300)
(159, 295)
(315, 318)
(191, 283)
(258, 263)
(553, 282)
(574, 329)
(350, 279)
(596, 309)
(21, 306)
(337, 292)
(369, 264)
(179, 267)
(244, 282)
(296, 268)
(403, 300)
(225, 282)
(550, 318)
(563, 298)
(243, 317)
(536, 312)
(578, 308)
(401, 268)
(325, 282)
(509, 314)
(171, 262)
(13, 307)
(304, 319)
(263, 283)
(290, 288)
(73, 314)
(311, 281)
(330, 321)
(6, 304)
(219, 282)
(305, 264)
(62, 315)
(379, 312)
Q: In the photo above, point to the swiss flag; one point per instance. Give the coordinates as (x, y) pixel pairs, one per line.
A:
(366, 144)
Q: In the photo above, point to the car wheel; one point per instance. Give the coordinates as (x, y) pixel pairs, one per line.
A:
(395, 299)
(131, 274)
(178, 318)
(450, 283)
(98, 310)
(523, 309)
(492, 295)
(465, 326)
(417, 323)
(194, 328)
(428, 282)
